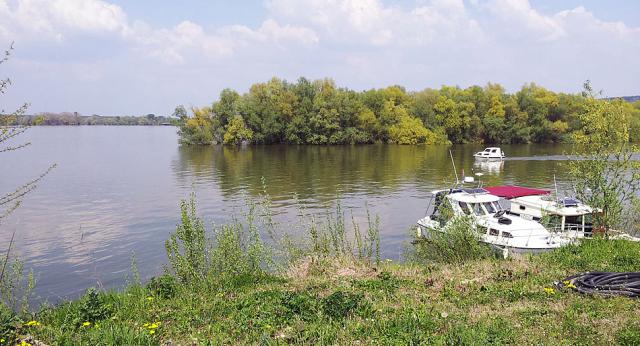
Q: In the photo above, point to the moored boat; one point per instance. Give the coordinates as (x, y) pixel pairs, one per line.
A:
(567, 216)
(496, 227)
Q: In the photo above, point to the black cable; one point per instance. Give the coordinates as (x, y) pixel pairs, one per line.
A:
(605, 283)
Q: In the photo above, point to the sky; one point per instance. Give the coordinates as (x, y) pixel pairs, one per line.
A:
(117, 57)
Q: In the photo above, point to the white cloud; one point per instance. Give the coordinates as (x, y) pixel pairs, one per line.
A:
(360, 43)
(519, 14)
(40, 20)
(58, 18)
(380, 24)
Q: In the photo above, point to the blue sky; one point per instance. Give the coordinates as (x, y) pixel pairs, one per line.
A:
(136, 57)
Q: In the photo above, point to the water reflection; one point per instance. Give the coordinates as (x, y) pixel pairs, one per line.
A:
(489, 167)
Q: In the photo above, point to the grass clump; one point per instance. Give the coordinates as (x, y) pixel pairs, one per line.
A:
(457, 242)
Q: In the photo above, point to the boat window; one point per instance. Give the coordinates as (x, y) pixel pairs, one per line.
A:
(522, 207)
(554, 221)
(494, 150)
(574, 220)
(490, 207)
(507, 235)
(464, 207)
(477, 209)
(493, 231)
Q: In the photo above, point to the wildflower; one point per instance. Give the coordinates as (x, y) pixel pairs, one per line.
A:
(1, 340)
(33, 323)
(24, 343)
(152, 331)
(549, 290)
(149, 298)
(86, 324)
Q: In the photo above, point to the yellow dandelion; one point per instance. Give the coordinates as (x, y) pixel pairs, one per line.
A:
(149, 298)
(24, 343)
(86, 324)
(33, 323)
(152, 331)
(145, 325)
(549, 290)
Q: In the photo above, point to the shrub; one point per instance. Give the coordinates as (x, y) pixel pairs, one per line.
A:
(93, 307)
(164, 286)
(187, 248)
(455, 243)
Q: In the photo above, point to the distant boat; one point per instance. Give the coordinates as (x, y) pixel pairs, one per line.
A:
(491, 153)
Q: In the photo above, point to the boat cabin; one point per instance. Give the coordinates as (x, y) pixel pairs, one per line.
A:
(490, 153)
(567, 214)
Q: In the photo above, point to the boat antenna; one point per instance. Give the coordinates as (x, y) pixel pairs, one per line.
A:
(454, 167)
(555, 183)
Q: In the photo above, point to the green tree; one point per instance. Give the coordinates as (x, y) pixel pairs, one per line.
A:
(224, 111)
(237, 132)
(606, 175)
(198, 129)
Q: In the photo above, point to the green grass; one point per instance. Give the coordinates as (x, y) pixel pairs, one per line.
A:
(344, 301)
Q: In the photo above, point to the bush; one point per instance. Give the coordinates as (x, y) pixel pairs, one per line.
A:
(164, 286)
(187, 248)
(93, 307)
(455, 243)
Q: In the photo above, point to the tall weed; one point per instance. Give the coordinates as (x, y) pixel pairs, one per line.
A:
(455, 243)
(188, 248)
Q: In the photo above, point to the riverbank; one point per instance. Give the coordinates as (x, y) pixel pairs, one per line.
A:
(342, 300)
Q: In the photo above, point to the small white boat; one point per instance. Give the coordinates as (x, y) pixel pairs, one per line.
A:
(503, 231)
(491, 153)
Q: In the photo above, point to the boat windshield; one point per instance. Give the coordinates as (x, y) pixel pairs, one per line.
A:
(491, 209)
(477, 209)
(464, 207)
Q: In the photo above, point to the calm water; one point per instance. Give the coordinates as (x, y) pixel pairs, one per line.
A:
(116, 190)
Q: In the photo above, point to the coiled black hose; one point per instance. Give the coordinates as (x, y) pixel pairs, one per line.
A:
(605, 283)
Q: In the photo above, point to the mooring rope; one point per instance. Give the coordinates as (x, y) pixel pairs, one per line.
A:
(605, 283)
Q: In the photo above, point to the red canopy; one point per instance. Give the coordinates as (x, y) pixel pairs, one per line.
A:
(511, 191)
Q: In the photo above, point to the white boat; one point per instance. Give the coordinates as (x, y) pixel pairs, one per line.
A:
(568, 216)
(491, 153)
(507, 232)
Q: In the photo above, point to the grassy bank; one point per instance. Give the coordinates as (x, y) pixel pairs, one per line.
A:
(324, 295)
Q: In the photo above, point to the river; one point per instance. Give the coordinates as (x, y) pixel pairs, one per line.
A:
(115, 193)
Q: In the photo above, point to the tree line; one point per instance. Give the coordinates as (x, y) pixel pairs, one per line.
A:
(319, 112)
(68, 118)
